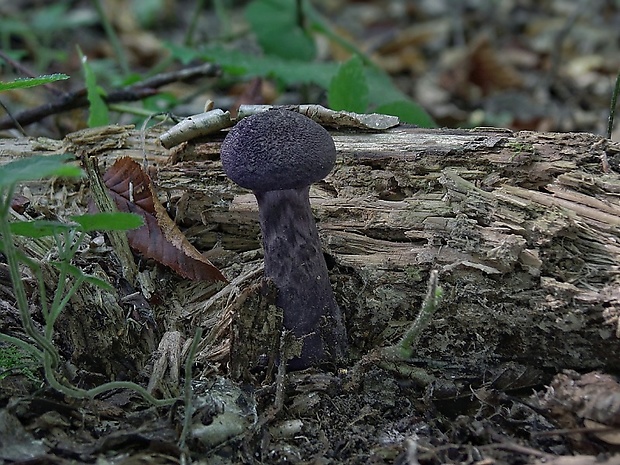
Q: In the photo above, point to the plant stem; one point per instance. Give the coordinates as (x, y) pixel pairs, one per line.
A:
(58, 295)
(78, 393)
(318, 24)
(113, 37)
(18, 285)
(29, 348)
(63, 303)
(187, 395)
(612, 107)
(189, 34)
(404, 348)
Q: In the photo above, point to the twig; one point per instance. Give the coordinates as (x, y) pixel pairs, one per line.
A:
(15, 122)
(77, 99)
(518, 449)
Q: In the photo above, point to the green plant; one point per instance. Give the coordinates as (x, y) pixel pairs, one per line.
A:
(348, 89)
(39, 30)
(31, 82)
(66, 238)
(355, 85)
(273, 20)
(98, 114)
(405, 347)
(284, 29)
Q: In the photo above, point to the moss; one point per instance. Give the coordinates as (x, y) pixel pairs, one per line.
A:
(14, 361)
(412, 274)
(521, 148)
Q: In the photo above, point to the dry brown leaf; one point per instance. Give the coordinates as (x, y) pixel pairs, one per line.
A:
(594, 396)
(487, 69)
(591, 399)
(479, 70)
(159, 238)
(19, 203)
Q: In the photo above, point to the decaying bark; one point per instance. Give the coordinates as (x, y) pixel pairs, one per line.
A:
(524, 229)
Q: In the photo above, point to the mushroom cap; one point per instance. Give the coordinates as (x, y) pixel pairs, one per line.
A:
(276, 150)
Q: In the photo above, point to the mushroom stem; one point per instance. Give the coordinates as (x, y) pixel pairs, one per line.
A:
(295, 262)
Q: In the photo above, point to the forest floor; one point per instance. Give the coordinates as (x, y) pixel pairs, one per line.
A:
(542, 66)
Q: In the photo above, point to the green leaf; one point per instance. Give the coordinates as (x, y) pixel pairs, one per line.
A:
(348, 89)
(39, 228)
(277, 28)
(408, 112)
(116, 221)
(90, 279)
(382, 91)
(182, 53)
(381, 88)
(24, 83)
(78, 273)
(37, 167)
(57, 18)
(147, 12)
(250, 65)
(98, 114)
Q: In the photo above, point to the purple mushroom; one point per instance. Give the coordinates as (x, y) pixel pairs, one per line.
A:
(278, 154)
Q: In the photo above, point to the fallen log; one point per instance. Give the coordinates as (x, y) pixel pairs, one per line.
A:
(524, 229)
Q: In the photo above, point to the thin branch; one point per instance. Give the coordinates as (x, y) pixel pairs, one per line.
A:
(15, 122)
(139, 91)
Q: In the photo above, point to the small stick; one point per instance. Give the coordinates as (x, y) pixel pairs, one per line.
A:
(77, 99)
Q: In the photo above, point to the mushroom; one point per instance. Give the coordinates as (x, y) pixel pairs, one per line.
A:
(278, 154)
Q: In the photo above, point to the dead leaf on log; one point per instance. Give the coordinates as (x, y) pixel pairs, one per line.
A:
(159, 238)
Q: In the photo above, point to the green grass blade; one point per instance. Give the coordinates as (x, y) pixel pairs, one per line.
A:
(39, 228)
(79, 274)
(24, 83)
(98, 114)
(37, 167)
(109, 221)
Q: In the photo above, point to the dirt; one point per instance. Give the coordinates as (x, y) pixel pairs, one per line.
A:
(374, 416)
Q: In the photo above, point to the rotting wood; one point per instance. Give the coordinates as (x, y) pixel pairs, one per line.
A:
(523, 228)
